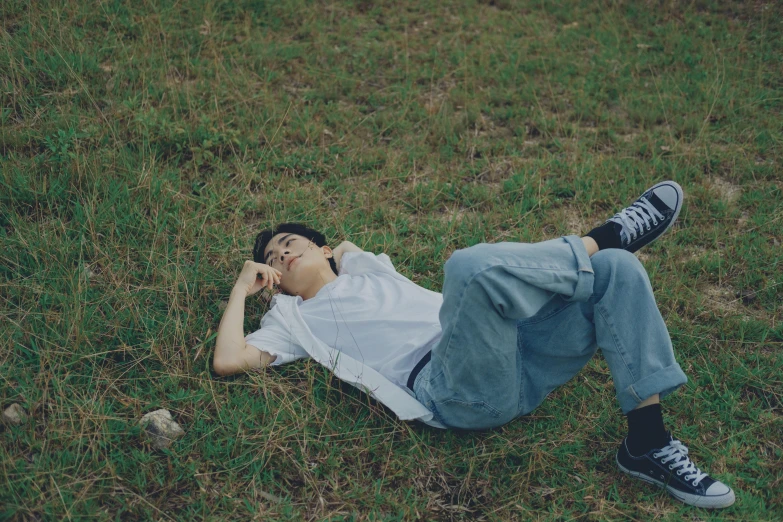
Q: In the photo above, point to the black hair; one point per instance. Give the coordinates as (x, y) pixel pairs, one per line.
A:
(265, 236)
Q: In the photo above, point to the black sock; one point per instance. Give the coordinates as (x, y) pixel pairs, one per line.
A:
(646, 430)
(607, 235)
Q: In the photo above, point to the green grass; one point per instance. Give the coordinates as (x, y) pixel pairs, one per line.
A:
(144, 144)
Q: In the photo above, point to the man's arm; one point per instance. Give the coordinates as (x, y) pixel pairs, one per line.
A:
(345, 246)
(232, 354)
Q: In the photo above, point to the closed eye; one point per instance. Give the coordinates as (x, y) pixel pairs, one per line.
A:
(286, 244)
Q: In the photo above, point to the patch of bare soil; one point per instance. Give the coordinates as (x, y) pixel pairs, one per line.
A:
(726, 301)
(723, 299)
(437, 96)
(455, 215)
(642, 256)
(574, 221)
(692, 253)
(728, 191)
(494, 174)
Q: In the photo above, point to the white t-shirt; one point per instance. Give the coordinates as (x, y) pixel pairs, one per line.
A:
(385, 323)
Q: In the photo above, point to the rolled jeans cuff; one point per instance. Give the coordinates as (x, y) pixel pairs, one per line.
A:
(585, 275)
(662, 382)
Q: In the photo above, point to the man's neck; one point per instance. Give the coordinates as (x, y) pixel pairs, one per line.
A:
(323, 278)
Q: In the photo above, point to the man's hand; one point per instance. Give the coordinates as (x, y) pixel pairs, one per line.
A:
(255, 276)
(345, 246)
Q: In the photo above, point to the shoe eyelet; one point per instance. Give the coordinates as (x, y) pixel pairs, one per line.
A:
(671, 467)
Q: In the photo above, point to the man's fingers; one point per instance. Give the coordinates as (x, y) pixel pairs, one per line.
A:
(268, 277)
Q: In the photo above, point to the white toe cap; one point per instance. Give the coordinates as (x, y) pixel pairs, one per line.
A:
(718, 489)
(668, 195)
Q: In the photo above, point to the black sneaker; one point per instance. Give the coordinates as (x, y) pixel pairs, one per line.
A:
(649, 216)
(669, 467)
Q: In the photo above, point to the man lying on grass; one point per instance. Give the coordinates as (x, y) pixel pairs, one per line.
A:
(514, 322)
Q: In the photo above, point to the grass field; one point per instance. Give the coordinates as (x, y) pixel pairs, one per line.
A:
(144, 144)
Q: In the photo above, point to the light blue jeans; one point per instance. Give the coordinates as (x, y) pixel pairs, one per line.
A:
(521, 319)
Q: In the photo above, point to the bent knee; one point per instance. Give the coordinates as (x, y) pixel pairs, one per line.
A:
(464, 262)
(616, 258)
(618, 264)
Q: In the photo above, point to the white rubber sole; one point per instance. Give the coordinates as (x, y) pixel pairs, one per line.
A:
(716, 501)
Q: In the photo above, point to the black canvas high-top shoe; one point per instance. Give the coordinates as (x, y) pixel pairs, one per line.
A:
(649, 216)
(669, 467)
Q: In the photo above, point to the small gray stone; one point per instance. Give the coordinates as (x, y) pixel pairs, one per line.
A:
(161, 428)
(14, 415)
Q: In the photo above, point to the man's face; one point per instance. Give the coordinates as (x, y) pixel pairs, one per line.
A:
(299, 259)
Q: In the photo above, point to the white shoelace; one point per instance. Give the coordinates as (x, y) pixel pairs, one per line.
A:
(634, 219)
(678, 452)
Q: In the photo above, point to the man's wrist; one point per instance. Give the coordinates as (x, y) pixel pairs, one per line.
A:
(238, 292)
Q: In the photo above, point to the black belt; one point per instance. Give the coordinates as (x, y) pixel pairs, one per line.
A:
(416, 369)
